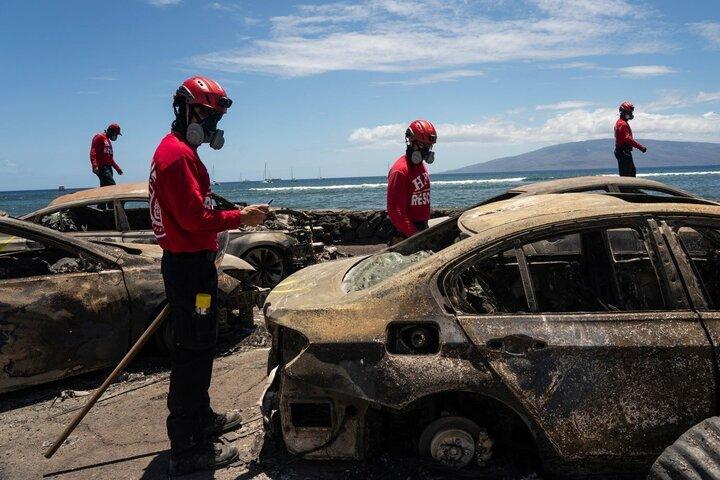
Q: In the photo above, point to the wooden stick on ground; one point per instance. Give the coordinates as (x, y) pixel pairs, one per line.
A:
(118, 370)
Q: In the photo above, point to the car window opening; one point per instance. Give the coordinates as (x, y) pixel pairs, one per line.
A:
(702, 245)
(138, 214)
(26, 258)
(588, 271)
(84, 218)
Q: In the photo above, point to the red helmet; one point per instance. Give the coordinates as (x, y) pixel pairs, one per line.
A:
(421, 131)
(204, 91)
(627, 107)
(114, 128)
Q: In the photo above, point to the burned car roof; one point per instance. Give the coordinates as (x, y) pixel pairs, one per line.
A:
(535, 208)
(112, 192)
(590, 181)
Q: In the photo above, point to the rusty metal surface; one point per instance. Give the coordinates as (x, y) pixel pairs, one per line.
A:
(542, 209)
(607, 389)
(598, 181)
(102, 194)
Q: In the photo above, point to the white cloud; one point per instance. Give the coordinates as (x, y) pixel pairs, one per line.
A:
(646, 70)
(225, 7)
(163, 3)
(570, 126)
(433, 35)
(709, 31)
(703, 97)
(439, 77)
(567, 105)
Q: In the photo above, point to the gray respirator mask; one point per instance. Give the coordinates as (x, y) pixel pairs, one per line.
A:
(206, 131)
(417, 156)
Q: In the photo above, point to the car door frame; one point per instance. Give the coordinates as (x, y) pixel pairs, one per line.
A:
(535, 332)
(134, 236)
(709, 317)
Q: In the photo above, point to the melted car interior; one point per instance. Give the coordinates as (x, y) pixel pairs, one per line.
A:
(23, 258)
(83, 218)
(592, 270)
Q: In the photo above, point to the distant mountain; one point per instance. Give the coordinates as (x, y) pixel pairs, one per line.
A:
(592, 154)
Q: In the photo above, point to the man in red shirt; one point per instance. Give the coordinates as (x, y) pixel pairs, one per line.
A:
(186, 227)
(624, 141)
(101, 155)
(408, 192)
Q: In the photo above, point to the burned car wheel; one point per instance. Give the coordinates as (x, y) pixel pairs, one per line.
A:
(455, 442)
(269, 266)
(693, 456)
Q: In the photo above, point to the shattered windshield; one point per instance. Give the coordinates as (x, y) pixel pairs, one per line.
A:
(377, 268)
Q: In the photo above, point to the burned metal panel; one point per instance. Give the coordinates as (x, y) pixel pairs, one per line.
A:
(345, 427)
(60, 325)
(606, 384)
(146, 292)
(123, 190)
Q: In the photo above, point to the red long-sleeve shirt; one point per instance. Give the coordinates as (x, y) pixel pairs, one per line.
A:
(408, 195)
(624, 136)
(101, 152)
(180, 207)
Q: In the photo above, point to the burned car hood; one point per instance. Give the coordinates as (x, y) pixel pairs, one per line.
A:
(312, 287)
(313, 302)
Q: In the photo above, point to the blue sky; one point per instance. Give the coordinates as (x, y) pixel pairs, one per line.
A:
(332, 85)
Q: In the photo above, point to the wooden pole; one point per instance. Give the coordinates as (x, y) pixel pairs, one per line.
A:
(118, 370)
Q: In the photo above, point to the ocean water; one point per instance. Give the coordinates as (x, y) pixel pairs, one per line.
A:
(369, 192)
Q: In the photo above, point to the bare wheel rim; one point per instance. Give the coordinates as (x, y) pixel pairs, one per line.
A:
(453, 447)
(268, 264)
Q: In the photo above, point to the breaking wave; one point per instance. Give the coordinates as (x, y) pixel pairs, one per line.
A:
(671, 174)
(367, 186)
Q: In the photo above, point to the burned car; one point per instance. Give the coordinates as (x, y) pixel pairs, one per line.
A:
(578, 329)
(69, 306)
(120, 213)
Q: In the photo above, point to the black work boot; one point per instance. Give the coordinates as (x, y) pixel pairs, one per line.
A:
(206, 456)
(220, 423)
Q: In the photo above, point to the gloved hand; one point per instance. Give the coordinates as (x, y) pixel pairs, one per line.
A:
(120, 172)
(643, 149)
(254, 215)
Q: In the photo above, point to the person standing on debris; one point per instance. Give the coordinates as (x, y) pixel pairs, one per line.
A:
(624, 142)
(186, 227)
(101, 155)
(408, 192)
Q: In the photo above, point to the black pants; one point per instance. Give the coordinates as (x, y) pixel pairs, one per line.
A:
(105, 174)
(194, 336)
(626, 166)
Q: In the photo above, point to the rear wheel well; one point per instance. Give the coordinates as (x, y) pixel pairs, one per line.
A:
(400, 430)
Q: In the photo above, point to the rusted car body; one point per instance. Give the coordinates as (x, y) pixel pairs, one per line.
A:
(583, 329)
(120, 213)
(69, 306)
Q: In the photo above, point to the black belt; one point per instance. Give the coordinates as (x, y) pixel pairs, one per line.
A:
(208, 254)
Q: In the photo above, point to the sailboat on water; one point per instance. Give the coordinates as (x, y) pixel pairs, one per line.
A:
(266, 179)
(212, 178)
(292, 176)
